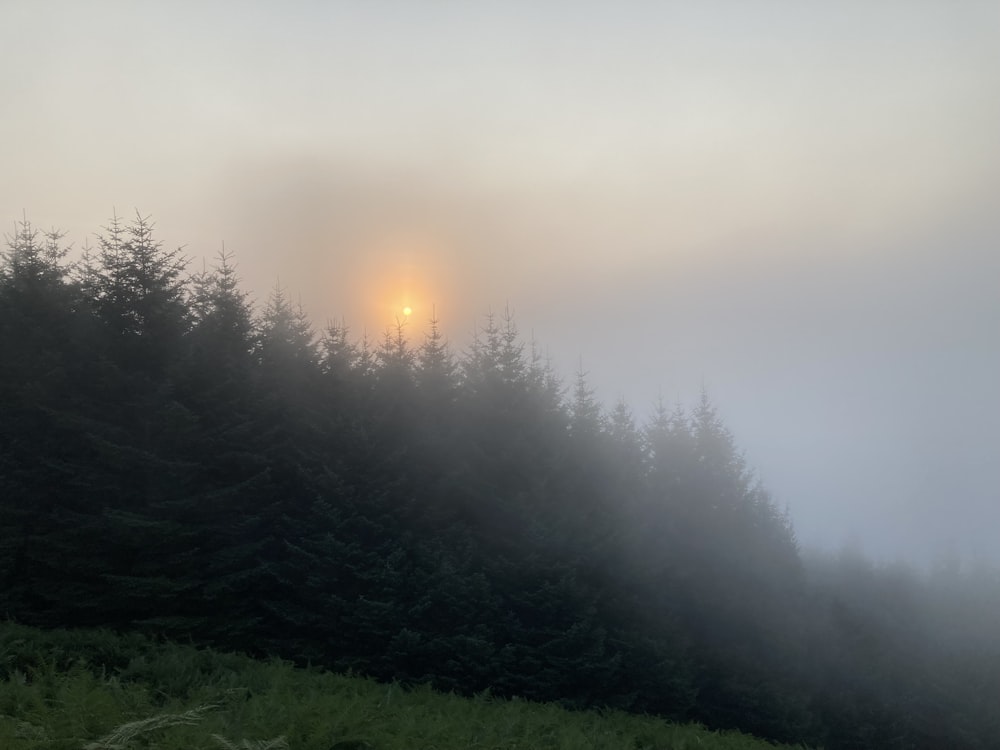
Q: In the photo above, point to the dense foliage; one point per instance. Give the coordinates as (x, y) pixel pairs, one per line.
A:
(93, 690)
(172, 462)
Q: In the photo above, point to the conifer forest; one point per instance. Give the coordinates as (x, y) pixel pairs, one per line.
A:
(178, 462)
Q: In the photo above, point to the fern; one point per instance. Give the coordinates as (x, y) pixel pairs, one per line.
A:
(120, 737)
(278, 743)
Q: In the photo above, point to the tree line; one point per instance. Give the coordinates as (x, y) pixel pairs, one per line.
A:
(174, 461)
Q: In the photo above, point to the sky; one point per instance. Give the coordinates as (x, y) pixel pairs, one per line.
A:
(795, 206)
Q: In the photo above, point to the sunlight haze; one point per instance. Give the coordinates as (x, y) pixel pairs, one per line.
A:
(794, 206)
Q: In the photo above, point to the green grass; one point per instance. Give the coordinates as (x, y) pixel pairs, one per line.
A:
(93, 690)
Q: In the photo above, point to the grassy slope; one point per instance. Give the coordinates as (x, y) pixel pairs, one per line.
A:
(68, 689)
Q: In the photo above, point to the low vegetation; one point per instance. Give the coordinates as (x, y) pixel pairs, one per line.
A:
(93, 690)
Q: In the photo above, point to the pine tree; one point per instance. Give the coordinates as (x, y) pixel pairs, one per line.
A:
(285, 339)
(40, 310)
(339, 356)
(46, 350)
(586, 422)
(222, 315)
(138, 290)
(436, 373)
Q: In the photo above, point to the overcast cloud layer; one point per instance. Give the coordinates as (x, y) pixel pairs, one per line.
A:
(793, 205)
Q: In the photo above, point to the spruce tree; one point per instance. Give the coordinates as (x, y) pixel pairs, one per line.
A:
(137, 289)
(45, 344)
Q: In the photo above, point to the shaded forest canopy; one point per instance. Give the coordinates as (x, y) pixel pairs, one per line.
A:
(173, 462)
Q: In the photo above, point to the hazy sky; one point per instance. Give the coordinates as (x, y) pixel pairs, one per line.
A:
(796, 205)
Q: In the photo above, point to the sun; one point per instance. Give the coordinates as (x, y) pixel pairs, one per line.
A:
(407, 311)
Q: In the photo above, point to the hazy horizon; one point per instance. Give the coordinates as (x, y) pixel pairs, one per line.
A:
(794, 207)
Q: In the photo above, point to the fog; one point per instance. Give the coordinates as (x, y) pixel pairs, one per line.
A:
(793, 208)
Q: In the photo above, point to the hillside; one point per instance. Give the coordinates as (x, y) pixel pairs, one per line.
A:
(91, 689)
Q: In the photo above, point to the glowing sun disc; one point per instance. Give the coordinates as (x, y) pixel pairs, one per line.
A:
(407, 311)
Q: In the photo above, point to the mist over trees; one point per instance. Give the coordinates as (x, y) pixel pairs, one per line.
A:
(173, 461)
